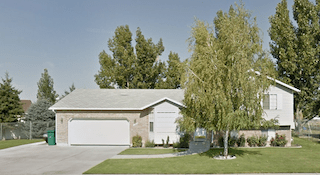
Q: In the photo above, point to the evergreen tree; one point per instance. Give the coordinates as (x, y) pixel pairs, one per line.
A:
(223, 91)
(10, 106)
(45, 88)
(296, 50)
(41, 117)
(148, 67)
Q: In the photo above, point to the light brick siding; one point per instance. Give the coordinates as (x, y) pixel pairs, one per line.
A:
(140, 117)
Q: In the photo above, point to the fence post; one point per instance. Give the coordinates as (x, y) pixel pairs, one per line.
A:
(30, 130)
(1, 130)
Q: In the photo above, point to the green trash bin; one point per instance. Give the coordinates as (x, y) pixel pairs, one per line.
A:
(51, 137)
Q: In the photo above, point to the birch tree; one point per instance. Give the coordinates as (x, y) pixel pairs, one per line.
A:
(223, 89)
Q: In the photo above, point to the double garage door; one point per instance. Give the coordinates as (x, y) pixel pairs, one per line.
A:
(98, 132)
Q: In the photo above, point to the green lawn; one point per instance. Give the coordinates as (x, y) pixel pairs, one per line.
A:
(249, 160)
(11, 143)
(148, 151)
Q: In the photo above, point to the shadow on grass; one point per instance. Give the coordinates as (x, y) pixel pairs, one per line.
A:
(232, 151)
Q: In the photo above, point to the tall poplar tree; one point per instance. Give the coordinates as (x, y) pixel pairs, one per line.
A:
(173, 72)
(296, 50)
(148, 67)
(119, 69)
(126, 69)
(223, 91)
(45, 88)
(10, 106)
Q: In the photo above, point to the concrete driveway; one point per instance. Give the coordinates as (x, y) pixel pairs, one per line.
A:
(44, 159)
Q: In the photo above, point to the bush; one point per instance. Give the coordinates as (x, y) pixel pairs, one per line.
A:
(184, 140)
(280, 140)
(176, 145)
(149, 144)
(137, 141)
(262, 141)
(253, 141)
(241, 142)
(231, 141)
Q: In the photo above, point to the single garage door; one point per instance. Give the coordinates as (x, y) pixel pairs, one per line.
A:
(98, 132)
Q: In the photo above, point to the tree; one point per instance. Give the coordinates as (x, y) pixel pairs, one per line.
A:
(10, 106)
(148, 67)
(172, 74)
(125, 69)
(119, 69)
(223, 86)
(71, 88)
(45, 88)
(296, 50)
(41, 117)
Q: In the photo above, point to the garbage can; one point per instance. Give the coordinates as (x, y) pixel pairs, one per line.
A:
(51, 137)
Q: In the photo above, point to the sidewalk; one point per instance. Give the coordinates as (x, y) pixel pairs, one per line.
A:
(189, 152)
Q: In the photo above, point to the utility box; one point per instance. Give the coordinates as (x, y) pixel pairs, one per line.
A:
(51, 137)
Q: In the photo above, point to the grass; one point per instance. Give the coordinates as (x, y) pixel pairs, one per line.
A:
(11, 143)
(249, 160)
(148, 151)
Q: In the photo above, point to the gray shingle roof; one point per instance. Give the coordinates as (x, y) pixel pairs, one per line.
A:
(117, 99)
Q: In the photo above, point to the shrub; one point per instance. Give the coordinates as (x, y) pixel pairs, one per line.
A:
(176, 145)
(231, 141)
(253, 141)
(184, 140)
(280, 140)
(149, 144)
(137, 141)
(262, 141)
(241, 142)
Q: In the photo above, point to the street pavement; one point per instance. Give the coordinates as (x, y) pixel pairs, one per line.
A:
(39, 158)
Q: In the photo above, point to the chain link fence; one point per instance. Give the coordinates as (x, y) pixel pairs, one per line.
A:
(311, 129)
(25, 130)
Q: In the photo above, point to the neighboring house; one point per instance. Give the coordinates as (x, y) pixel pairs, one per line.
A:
(25, 105)
(114, 116)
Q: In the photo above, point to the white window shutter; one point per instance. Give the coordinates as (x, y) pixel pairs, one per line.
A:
(279, 101)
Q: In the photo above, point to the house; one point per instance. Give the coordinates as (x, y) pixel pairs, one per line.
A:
(114, 116)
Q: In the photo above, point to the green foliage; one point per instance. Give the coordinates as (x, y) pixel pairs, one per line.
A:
(71, 88)
(280, 140)
(241, 141)
(149, 143)
(41, 117)
(125, 69)
(45, 88)
(185, 140)
(10, 106)
(270, 124)
(231, 141)
(223, 91)
(297, 51)
(148, 67)
(262, 141)
(137, 141)
(173, 73)
(176, 145)
(253, 141)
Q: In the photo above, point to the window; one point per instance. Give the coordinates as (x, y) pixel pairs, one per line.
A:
(272, 101)
(151, 126)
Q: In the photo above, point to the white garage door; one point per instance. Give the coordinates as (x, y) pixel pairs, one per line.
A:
(98, 132)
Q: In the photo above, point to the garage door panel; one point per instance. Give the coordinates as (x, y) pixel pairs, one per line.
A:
(99, 132)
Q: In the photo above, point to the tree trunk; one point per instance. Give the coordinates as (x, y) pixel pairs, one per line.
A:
(299, 118)
(225, 140)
